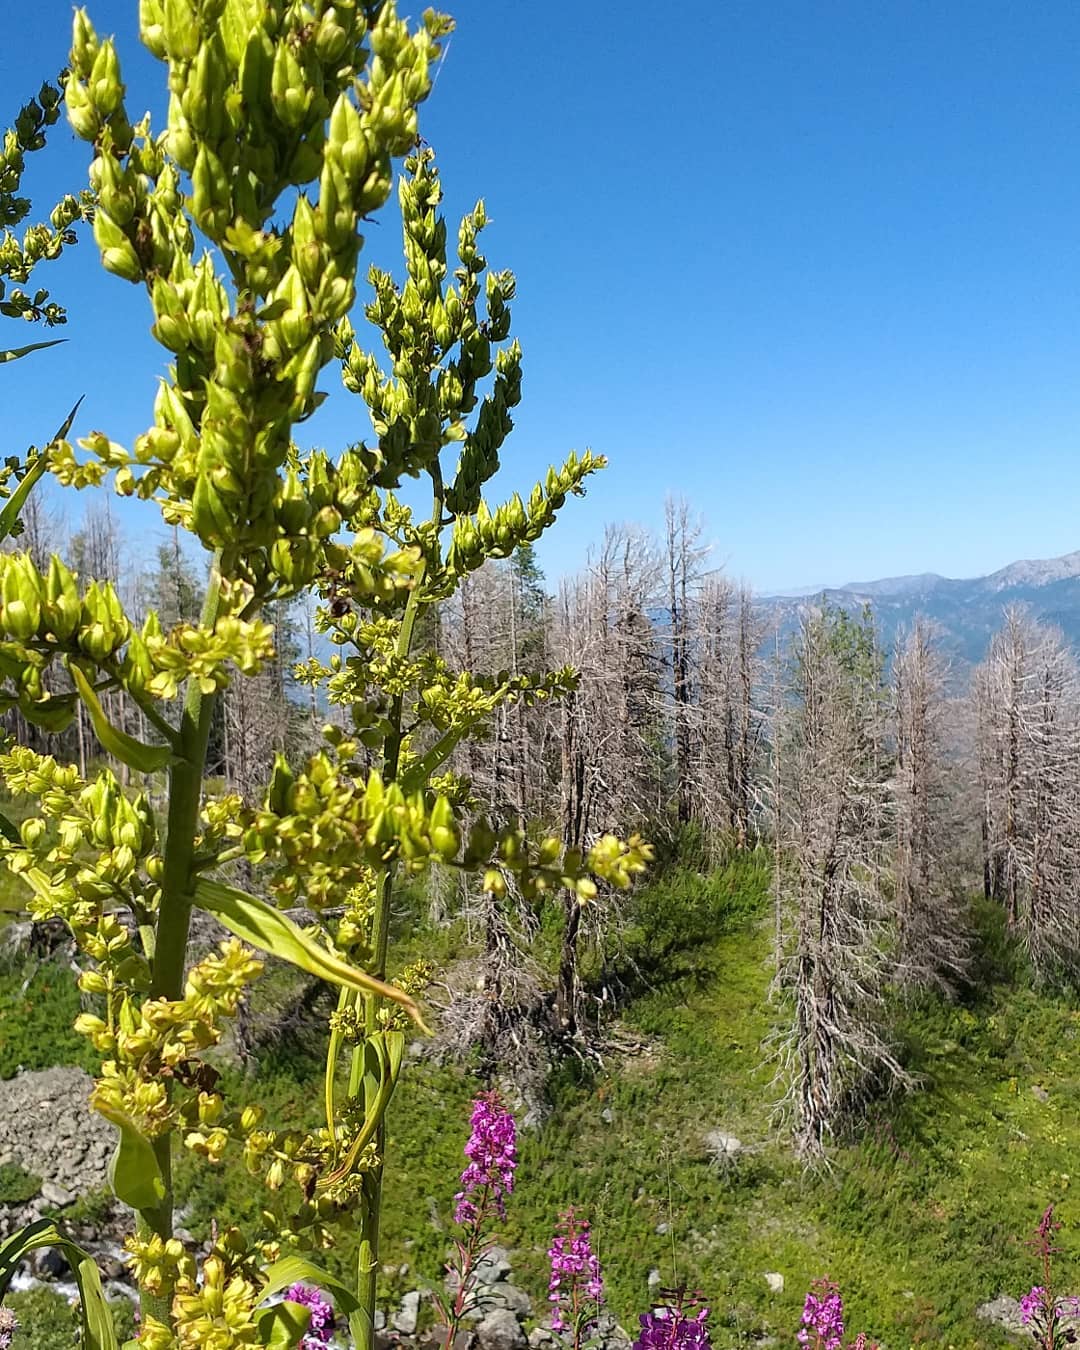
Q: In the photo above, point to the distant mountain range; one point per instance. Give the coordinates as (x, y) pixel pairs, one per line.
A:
(968, 612)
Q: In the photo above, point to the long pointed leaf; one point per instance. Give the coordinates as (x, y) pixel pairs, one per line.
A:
(15, 503)
(13, 353)
(389, 1047)
(127, 749)
(292, 1270)
(258, 922)
(98, 1331)
(9, 830)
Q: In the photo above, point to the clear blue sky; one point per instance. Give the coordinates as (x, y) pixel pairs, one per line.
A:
(815, 266)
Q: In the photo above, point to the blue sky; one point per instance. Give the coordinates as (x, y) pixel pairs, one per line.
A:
(814, 266)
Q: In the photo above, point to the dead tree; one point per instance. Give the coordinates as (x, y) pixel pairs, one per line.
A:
(835, 920)
(931, 915)
(1028, 697)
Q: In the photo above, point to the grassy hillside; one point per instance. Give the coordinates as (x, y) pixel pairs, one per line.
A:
(920, 1220)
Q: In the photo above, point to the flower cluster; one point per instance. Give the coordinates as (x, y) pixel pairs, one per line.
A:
(322, 1315)
(575, 1276)
(492, 1155)
(676, 1325)
(823, 1317)
(9, 1325)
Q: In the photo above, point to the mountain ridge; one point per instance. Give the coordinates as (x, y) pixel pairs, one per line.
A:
(966, 610)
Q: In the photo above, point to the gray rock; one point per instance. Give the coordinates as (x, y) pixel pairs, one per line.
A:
(493, 1266)
(655, 1279)
(540, 1338)
(607, 1115)
(1003, 1311)
(48, 1263)
(115, 1289)
(662, 1228)
(112, 1268)
(1040, 1092)
(722, 1146)
(610, 1334)
(504, 1295)
(775, 1281)
(500, 1330)
(56, 1195)
(15, 940)
(48, 1128)
(407, 1316)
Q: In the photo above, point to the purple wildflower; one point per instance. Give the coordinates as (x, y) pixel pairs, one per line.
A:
(1031, 1303)
(575, 1277)
(675, 1326)
(9, 1325)
(492, 1155)
(823, 1317)
(322, 1315)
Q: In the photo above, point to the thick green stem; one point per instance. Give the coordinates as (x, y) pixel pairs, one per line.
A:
(177, 898)
(362, 1322)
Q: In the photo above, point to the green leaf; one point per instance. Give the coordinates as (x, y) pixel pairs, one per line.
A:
(127, 749)
(386, 1049)
(265, 927)
(281, 1327)
(13, 353)
(15, 503)
(134, 1173)
(98, 1331)
(296, 1270)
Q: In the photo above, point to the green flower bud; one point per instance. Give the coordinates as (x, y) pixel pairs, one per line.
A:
(117, 253)
(105, 86)
(21, 612)
(81, 112)
(181, 29)
(63, 607)
(152, 27)
(84, 44)
(289, 91)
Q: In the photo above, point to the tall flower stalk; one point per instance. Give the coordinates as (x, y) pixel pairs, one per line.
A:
(487, 1180)
(241, 220)
(576, 1285)
(1042, 1307)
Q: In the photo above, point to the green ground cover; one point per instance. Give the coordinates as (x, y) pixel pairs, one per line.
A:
(921, 1218)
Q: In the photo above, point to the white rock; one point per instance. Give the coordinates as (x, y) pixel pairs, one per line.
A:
(775, 1281)
(405, 1319)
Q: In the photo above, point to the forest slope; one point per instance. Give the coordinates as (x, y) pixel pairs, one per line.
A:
(920, 1221)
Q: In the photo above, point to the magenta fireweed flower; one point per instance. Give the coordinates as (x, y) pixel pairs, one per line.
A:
(576, 1287)
(1031, 1303)
(675, 1326)
(492, 1155)
(9, 1325)
(823, 1317)
(322, 1315)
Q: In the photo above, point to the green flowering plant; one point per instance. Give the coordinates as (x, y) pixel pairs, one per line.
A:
(40, 242)
(241, 220)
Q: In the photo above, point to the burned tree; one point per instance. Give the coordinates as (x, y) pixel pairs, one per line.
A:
(834, 919)
(931, 914)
